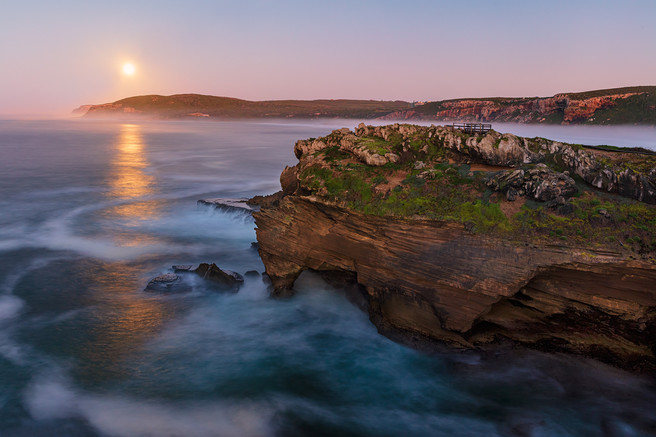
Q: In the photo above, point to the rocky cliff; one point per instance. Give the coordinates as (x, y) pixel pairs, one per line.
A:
(613, 106)
(475, 240)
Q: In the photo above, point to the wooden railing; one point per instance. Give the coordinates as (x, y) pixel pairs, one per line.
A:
(473, 128)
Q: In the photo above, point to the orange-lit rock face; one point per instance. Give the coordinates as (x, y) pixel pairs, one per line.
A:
(468, 109)
(488, 110)
(559, 108)
(437, 280)
(582, 110)
(440, 282)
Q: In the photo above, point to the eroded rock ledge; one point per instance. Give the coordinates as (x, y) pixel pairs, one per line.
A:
(436, 275)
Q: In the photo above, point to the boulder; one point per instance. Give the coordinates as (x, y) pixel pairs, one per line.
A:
(539, 183)
(169, 282)
(225, 279)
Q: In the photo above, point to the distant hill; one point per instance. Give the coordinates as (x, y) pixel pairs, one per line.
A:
(201, 106)
(630, 105)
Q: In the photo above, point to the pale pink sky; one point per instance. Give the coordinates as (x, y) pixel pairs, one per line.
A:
(55, 56)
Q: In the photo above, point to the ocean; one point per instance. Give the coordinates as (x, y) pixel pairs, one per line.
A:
(90, 211)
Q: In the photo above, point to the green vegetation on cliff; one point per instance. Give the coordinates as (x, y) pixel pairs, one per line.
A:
(441, 174)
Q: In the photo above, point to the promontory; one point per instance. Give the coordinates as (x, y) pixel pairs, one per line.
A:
(475, 239)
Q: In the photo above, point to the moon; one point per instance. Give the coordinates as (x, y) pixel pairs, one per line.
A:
(128, 69)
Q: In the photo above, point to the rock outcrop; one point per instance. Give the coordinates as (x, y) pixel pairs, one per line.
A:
(222, 280)
(628, 174)
(225, 279)
(613, 106)
(538, 183)
(573, 280)
(167, 282)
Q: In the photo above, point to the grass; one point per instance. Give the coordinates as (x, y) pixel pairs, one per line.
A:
(448, 191)
(375, 145)
(594, 220)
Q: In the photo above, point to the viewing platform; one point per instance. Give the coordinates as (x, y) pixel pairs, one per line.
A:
(473, 128)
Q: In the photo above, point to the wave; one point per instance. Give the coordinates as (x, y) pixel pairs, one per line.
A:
(51, 396)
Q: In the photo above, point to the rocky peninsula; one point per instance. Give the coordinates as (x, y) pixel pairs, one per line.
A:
(475, 240)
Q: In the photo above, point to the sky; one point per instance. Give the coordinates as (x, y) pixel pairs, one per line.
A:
(57, 55)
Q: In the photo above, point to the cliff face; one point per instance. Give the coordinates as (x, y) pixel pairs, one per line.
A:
(528, 110)
(438, 281)
(445, 273)
(614, 106)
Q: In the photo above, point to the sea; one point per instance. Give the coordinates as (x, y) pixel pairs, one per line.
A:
(90, 211)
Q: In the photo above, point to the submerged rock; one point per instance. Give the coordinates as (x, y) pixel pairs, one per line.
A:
(184, 268)
(169, 282)
(226, 280)
(252, 274)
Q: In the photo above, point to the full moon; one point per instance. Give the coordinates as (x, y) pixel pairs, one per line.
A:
(128, 69)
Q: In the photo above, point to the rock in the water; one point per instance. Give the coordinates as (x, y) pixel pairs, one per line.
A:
(183, 268)
(167, 282)
(252, 274)
(225, 279)
(231, 205)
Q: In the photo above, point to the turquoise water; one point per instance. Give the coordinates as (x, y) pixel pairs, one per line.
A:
(90, 211)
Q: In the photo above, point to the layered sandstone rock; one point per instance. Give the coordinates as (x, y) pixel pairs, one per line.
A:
(440, 282)
(442, 279)
(564, 108)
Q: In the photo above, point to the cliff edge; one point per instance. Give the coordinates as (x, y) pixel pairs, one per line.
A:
(475, 240)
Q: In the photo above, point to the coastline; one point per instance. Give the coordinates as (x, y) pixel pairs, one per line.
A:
(449, 282)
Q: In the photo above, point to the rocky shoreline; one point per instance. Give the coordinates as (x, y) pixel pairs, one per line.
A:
(430, 225)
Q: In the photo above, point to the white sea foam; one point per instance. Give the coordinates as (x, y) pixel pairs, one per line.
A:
(10, 306)
(10, 350)
(204, 223)
(58, 234)
(52, 397)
